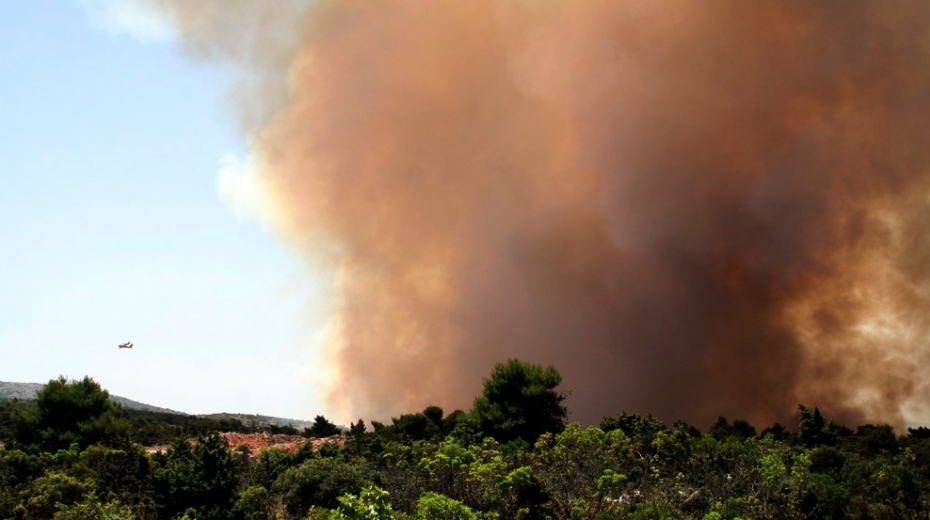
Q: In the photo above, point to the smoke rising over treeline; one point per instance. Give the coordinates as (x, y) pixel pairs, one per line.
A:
(690, 208)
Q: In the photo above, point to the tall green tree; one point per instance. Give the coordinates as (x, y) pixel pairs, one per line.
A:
(322, 427)
(520, 401)
(318, 482)
(201, 476)
(70, 412)
(813, 428)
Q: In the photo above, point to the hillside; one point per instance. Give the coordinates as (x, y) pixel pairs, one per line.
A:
(21, 391)
(28, 391)
(259, 420)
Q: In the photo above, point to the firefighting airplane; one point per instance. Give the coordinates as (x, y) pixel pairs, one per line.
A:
(128, 344)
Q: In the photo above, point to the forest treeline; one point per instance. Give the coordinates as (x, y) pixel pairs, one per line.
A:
(72, 454)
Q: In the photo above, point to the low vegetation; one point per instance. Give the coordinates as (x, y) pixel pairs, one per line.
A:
(74, 455)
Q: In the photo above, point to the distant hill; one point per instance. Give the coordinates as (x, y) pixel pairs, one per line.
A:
(136, 405)
(260, 420)
(28, 391)
(21, 391)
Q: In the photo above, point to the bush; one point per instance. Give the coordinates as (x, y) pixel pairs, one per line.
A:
(92, 509)
(202, 477)
(255, 504)
(519, 401)
(318, 482)
(434, 506)
(47, 494)
(70, 412)
(372, 503)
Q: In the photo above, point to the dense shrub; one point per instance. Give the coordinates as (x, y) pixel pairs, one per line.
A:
(318, 482)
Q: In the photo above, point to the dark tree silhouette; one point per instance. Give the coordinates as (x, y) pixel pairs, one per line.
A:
(322, 428)
(70, 412)
(520, 401)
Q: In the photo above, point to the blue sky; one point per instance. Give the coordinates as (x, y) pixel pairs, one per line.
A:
(113, 230)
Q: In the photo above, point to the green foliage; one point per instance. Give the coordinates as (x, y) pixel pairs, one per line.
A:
(93, 509)
(372, 503)
(730, 510)
(873, 439)
(519, 401)
(47, 494)
(773, 470)
(823, 498)
(70, 412)
(18, 467)
(200, 476)
(149, 428)
(456, 424)
(417, 426)
(584, 469)
(322, 428)
(122, 472)
(641, 429)
(358, 441)
(318, 482)
(739, 428)
(267, 466)
(433, 506)
(17, 471)
(426, 425)
(632, 467)
(12, 413)
(255, 503)
(525, 496)
(813, 429)
(776, 432)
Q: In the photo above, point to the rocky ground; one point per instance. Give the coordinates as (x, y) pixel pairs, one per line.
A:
(255, 442)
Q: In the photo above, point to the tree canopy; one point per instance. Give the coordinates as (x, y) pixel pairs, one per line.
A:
(322, 427)
(427, 466)
(67, 412)
(520, 401)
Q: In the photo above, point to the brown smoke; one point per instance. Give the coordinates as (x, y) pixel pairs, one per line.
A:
(690, 208)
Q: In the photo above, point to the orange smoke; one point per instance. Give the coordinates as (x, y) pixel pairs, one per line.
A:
(691, 209)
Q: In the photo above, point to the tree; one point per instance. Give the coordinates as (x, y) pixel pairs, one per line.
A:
(357, 440)
(434, 413)
(255, 503)
(122, 473)
(433, 506)
(584, 470)
(519, 401)
(875, 439)
(318, 482)
(322, 428)
(69, 412)
(453, 421)
(418, 426)
(49, 493)
(813, 429)
(357, 429)
(201, 476)
(777, 432)
(740, 428)
(372, 503)
(642, 429)
(92, 508)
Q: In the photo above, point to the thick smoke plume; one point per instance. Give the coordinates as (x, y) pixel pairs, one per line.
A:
(690, 208)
